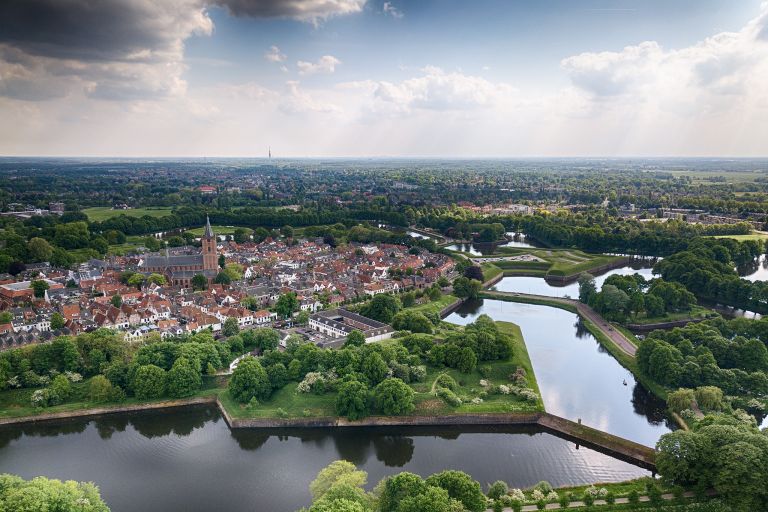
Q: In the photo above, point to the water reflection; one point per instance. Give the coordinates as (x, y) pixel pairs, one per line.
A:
(578, 378)
(755, 271)
(190, 460)
(539, 286)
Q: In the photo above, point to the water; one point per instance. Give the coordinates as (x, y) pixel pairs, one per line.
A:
(519, 240)
(758, 271)
(191, 461)
(539, 286)
(578, 378)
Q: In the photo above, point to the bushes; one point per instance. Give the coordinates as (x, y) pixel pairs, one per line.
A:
(149, 382)
(394, 397)
(448, 397)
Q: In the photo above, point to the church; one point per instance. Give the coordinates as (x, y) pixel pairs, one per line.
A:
(180, 269)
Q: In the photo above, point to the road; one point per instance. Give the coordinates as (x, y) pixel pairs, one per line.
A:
(617, 337)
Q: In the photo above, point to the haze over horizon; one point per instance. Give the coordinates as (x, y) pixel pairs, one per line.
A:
(383, 79)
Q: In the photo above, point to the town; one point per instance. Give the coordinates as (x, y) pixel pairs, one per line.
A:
(185, 290)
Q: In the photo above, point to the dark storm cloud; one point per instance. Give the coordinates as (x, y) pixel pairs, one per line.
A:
(306, 10)
(80, 29)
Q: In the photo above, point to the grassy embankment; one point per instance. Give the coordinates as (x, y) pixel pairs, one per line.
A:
(287, 402)
(16, 403)
(102, 213)
(554, 263)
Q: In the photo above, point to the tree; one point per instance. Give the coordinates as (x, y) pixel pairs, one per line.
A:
(60, 389)
(355, 339)
(434, 499)
(461, 487)
(286, 231)
(149, 382)
(157, 279)
(39, 287)
(408, 299)
(474, 272)
(39, 249)
(286, 304)
(43, 494)
(199, 282)
(399, 487)
(352, 400)
(137, 280)
(249, 380)
(240, 235)
(587, 287)
(709, 398)
(99, 389)
(116, 300)
(231, 327)
(412, 321)
(57, 321)
(183, 379)
(394, 397)
(680, 400)
(374, 368)
(654, 306)
(339, 472)
(222, 261)
(467, 360)
(382, 307)
(222, 278)
(5, 317)
(302, 318)
(497, 489)
(61, 258)
(466, 288)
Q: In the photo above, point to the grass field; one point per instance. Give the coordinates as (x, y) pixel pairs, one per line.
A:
(287, 402)
(553, 262)
(755, 235)
(219, 230)
(101, 213)
(435, 306)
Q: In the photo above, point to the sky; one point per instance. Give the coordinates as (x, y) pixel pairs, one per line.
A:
(368, 78)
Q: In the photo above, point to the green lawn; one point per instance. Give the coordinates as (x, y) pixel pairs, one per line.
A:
(490, 271)
(553, 262)
(435, 306)
(755, 235)
(101, 213)
(219, 230)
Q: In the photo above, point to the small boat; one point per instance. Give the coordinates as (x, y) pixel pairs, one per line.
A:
(625, 382)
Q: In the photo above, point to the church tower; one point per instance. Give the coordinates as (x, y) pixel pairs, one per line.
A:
(210, 259)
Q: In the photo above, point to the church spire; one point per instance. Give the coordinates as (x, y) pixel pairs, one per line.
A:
(208, 228)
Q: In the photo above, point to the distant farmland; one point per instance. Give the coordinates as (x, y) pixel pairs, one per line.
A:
(101, 213)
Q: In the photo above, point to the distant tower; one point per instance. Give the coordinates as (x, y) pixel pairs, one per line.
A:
(270, 152)
(210, 261)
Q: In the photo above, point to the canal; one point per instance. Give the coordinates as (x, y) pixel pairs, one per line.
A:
(191, 461)
(540, 286)
(578, 378)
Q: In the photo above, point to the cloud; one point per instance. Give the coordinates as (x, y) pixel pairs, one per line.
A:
(722, 71)
(325, 64)
(298, 101)
(391, 10)
(110, 49)
(312, 11)
(274, 54)
(438, 90)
